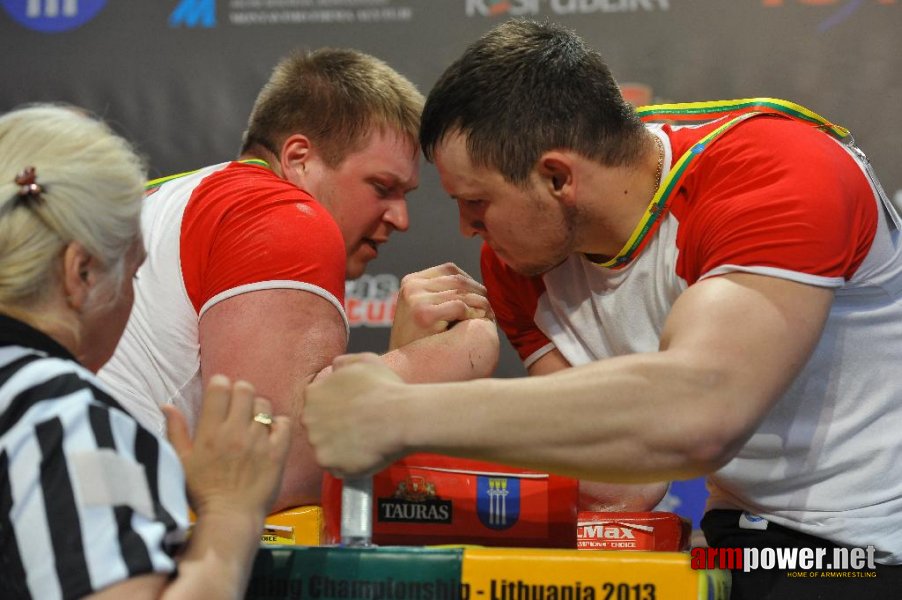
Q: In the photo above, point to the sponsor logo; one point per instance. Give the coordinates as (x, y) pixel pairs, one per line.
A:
(814, 562)
(194, 13)
(615, 536)
(605, 532)
(299, 12)
(749, 521)
(842, 9)
(498, 501)
(517, 8)
(415, 501)
(53, 16)
(370, 300)
(492, 8)
(606, 536)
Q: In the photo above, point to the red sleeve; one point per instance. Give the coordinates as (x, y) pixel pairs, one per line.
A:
(514, 299)
(244, 226)
(774, 194)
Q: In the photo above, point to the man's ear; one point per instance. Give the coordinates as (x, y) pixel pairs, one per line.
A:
(556, 170)
(78, 274)
(297, 150)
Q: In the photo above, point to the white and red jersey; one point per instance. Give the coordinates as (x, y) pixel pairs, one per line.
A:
(210, 235)
(775, 197)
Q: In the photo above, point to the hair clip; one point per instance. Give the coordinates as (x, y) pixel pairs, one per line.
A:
(28, 187)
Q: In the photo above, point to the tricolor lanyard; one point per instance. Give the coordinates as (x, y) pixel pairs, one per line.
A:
(704, 111)
(155, 183)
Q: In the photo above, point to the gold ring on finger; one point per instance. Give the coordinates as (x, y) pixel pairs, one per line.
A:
(263, 418)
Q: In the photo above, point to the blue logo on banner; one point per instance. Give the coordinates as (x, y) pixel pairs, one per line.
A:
(53, 16)
(194, 13)
(841, 15)
(498, 501)
(687, 499)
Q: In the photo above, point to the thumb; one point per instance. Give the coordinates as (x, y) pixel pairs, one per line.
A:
(177, 430)
(475, 313)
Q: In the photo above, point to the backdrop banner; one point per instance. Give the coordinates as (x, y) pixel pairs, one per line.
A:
(178, 77)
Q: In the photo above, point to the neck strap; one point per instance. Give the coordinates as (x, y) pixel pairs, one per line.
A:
(738, 111)
(155, 183)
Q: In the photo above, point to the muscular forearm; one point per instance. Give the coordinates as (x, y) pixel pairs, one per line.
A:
(302, 480)
(606, 497)
(217, 561)
(673, 414)
(468, 350)
(302, 477)
(649, 417)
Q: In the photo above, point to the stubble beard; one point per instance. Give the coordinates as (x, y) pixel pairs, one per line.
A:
(558, 250)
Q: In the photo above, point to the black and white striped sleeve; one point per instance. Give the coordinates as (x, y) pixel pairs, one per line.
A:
(89, 497)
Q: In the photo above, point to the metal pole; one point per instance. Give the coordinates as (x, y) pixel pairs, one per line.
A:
(357, 512)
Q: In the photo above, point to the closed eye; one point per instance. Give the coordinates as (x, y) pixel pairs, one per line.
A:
(381, 190)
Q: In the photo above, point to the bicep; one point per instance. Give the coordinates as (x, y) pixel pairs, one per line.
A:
(746, 337)
(275, 339)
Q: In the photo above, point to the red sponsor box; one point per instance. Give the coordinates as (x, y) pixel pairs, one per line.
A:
(661, 531)
(427, 499)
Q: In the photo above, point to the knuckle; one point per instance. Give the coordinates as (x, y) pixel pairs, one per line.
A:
(244, 386)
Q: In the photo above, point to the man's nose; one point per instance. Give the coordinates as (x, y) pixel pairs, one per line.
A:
(466, 226)
(397, 215)
(470, 226)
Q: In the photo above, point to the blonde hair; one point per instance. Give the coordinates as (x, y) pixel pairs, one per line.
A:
(336, 97)
(90, 188)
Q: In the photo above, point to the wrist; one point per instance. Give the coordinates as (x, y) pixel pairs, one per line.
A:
(222, 512)
(398, 416)
(416, 408)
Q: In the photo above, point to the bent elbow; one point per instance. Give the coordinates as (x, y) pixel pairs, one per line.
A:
(482, 345)
(713, 448)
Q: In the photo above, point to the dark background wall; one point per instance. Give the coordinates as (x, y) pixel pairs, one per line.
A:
(178, 77)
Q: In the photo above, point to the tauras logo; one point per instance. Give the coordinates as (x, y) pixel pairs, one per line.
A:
(415, 501)
(406, 511)
(515, 8)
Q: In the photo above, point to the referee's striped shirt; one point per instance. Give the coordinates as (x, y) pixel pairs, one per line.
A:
(88, 497)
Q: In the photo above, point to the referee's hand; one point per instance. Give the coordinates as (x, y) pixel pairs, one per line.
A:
(235, 461)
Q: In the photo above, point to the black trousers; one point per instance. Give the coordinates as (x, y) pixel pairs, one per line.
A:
(722, 530)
